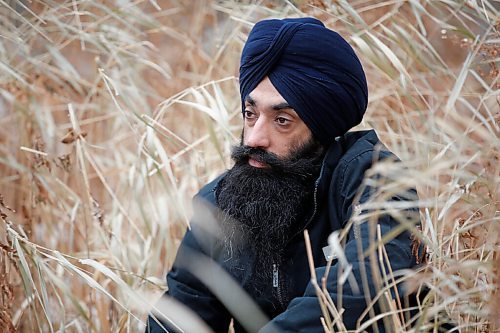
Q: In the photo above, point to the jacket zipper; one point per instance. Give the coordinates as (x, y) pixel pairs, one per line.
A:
(277, 284)
(315, 202)
(277, 280)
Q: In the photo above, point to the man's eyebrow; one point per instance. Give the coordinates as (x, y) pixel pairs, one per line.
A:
(250, 100)
(281, 106)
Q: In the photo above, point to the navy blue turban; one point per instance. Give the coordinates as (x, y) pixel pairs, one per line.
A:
(313, 68)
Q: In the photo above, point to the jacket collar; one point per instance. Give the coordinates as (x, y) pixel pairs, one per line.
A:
(350, 141)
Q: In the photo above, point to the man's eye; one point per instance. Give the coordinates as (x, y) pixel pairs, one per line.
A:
(282, 120)
(248, 114)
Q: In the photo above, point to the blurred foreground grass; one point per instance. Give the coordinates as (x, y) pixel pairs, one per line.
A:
(114, 113)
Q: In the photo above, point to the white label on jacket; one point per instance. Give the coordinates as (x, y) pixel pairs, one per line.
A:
(329, 253)
(275, 276)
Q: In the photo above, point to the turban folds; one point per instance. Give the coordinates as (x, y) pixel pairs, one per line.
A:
(313, 68)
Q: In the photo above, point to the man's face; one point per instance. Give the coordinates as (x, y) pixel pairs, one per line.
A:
(271, 124)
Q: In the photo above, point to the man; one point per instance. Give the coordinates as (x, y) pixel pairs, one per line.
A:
(302, 88)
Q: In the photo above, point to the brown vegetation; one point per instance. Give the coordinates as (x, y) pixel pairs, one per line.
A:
(112, 117)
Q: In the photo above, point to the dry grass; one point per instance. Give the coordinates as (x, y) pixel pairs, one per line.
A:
(112, 117)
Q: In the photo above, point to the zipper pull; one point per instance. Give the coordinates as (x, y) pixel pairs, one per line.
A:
(275, 276)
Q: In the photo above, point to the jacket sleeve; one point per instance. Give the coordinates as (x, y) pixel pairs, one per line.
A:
(303, 313)
(185, 288)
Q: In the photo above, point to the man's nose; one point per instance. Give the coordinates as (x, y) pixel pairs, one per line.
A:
(258, 136)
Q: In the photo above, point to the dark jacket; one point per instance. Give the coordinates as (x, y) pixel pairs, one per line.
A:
(290, 300)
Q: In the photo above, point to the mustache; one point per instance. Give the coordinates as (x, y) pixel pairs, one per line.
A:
(241, 154)
(298, 164)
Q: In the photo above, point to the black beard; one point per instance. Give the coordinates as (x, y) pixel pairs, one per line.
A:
(262, 208)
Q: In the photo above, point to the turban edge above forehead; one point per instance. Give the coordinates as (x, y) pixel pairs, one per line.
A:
(313, 68)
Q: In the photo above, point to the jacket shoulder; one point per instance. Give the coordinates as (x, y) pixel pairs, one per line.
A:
(361, 150)
(207, 192)
(363, 145)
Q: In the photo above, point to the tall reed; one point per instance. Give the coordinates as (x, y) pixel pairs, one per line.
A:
(113, 115)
